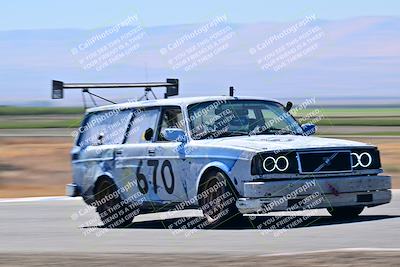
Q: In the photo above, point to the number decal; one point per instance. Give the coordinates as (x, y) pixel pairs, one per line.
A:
(169, 189)
(154, 163)
(141, 180)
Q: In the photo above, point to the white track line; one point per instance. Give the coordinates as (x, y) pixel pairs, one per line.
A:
(361, 136)
(332, 250)
(38, 199)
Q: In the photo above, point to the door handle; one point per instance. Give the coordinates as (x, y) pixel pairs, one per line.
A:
(118, 152)
(151, 152)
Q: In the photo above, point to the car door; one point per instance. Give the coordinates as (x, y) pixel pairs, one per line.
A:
(170, 166)
(133, 159)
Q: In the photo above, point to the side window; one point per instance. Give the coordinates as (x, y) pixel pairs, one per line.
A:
(104, 128)
(143, 126)
(171, 118)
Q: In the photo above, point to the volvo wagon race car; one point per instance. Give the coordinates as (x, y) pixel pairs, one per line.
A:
(225, 155)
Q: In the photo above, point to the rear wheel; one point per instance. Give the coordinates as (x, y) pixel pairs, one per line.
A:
(112, 210)
(345, 212)
(218, 200)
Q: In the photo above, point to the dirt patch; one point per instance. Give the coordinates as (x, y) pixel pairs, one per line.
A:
(40, 166)
(34, 166)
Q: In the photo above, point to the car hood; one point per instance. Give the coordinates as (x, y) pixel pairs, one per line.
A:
(280, 142)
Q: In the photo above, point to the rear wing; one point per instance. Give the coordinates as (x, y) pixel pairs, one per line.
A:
(171, 85)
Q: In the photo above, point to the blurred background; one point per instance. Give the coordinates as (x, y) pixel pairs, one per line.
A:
(344, 56)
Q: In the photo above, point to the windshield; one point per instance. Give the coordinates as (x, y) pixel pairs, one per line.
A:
(216, 119)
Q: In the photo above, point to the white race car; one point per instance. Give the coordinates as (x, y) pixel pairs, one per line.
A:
(226, 155)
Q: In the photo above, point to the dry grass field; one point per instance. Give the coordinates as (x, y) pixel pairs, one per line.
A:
(34, 166)
(40, 166)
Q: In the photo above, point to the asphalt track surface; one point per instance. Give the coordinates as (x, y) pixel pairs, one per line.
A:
(53, 225)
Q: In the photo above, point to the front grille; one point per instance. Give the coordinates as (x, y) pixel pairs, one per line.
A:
(324, 162)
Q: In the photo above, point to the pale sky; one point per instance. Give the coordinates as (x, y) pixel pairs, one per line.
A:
(50, 14)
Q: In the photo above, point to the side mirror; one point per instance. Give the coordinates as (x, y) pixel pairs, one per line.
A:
(148, 134)
(309, 128)
(288, 106)
(174, 135)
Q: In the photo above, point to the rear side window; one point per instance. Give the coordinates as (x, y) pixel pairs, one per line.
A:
(144, 122)
(104, 128)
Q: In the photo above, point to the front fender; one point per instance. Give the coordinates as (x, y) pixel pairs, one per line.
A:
(213, 164)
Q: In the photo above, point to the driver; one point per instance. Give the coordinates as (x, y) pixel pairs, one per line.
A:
(237, 120)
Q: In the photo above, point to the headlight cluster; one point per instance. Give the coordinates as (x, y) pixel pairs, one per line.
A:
(280, 163)
(268, 163)
(365, 159)
(286, 162)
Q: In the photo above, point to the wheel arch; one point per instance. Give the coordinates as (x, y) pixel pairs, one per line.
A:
(100, 178)
(212, 167)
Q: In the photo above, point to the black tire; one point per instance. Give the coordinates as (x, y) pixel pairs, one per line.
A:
(112, 211)
(345, 212)
(219, 206)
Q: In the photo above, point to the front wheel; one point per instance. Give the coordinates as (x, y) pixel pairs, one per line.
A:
(218, 200)
(345, 212)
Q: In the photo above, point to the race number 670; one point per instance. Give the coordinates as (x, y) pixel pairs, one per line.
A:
(165, 167)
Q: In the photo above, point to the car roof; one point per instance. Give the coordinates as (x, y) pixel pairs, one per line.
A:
(181, 101)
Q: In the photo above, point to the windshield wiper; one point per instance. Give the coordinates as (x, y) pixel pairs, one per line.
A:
(275, 131)
(233, 133)
(217, 134)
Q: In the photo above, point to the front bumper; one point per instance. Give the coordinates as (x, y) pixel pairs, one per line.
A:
(263, 197)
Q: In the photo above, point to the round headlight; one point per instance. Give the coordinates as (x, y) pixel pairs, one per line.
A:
(271, 164)
(364, 159)
(282, 163)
